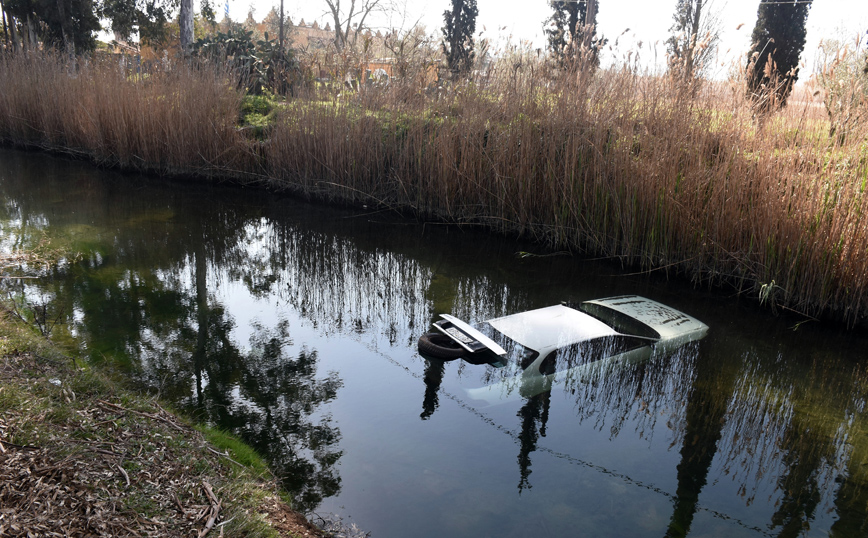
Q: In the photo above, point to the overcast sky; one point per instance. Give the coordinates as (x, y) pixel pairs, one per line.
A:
(645, 21)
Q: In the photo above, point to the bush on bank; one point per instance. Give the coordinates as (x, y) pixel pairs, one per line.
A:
(618, 164)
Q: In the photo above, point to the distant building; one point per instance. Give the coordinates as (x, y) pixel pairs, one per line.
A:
(311, 35)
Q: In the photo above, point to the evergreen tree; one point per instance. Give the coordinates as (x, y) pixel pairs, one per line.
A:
(147, 18)
(459, 27)
(565, 30)
(778, 40)
(693, 39)
(70, 24)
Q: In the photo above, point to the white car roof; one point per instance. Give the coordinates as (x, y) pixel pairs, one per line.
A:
(551, 327)
(669, 323)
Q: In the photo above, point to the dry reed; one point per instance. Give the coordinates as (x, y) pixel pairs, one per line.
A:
(177, 121)
(615, 164)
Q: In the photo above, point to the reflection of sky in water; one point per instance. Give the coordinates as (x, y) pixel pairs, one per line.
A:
(295, 326)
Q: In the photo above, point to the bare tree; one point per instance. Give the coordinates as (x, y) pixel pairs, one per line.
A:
(350, 19)
(413, 51)
(842, 74)
(694, 39)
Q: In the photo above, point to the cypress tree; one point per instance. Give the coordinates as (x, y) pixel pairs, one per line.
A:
(563, 24)
(458, 29)
(778, 40)
(565, 30)
(681, 44)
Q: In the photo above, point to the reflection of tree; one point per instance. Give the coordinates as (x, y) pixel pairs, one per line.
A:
(534, 412)
(851, 500)
(268, 399)
(142, 295)
(433, 376)
(797, 426)
(285, 393)
(704, 419)
(799, 488)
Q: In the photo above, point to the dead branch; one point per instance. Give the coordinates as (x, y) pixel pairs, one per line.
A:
(215, 509)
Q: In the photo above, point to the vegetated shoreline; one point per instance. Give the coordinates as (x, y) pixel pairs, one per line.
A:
(616, 164)
(80, 455)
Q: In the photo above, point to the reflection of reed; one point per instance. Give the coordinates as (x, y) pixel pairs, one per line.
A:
(345, 288)
(636, 393)
(801, 431)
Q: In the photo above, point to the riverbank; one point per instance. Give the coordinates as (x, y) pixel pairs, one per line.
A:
(619, 165)
(80, 455)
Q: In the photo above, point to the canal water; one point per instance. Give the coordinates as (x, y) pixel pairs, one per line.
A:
(294, 325)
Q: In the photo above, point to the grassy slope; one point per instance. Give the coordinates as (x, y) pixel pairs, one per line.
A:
(81, 455)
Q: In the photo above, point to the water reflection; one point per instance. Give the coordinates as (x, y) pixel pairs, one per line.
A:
(704, 418)
(434, 370)
(533, 417)
(610, 396)
(203, 297)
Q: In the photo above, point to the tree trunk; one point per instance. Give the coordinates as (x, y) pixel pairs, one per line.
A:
(280, 37)
(692, 41)
(335, 8)
(13, 33)
(5, 27)
(68, 38)
(185, 21)
(31, 35)
(340, 40)
(590, 17)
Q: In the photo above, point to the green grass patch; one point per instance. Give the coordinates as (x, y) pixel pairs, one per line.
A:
(240, 452)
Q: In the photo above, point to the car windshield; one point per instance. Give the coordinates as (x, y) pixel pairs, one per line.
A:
(621, 322)
(589, 351)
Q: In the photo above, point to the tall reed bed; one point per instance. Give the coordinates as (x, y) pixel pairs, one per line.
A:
(619, 163)
(176, 121)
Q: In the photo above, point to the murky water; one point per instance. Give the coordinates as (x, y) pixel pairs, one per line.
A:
(295, 326)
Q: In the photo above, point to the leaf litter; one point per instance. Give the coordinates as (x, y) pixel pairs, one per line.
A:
(76, 465)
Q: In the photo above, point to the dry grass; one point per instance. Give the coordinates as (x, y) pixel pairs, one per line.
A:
(166, 122)
(614, 164)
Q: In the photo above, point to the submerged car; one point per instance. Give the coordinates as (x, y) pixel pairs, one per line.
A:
(561, 343)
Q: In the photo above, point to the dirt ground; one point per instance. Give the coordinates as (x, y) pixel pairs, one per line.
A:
(98, 464)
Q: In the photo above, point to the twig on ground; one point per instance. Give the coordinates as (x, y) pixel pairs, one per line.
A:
(143, 414)
(215, 509)
(123, 472)
(225, 455)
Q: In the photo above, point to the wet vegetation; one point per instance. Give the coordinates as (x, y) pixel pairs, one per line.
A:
(617, 163)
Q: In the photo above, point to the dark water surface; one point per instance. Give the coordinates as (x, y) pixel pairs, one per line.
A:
(295, 326)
